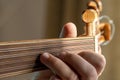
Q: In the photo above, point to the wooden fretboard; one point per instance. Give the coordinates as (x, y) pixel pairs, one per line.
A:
(21, 57)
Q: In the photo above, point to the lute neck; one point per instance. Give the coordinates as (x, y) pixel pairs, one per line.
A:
(21, 57)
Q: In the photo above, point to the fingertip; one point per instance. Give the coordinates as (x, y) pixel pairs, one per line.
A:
(69, 24)
(44, 57)
(97, 60)
(69, 30)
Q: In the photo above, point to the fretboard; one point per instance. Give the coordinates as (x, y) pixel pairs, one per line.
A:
(19, 57)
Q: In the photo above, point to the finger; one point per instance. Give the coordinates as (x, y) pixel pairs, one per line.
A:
(45, 75)
(80, 65)
(54, 78)
(58, 67)
(69, 30)
(97, 60)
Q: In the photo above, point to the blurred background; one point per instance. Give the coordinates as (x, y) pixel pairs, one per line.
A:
(36, 19)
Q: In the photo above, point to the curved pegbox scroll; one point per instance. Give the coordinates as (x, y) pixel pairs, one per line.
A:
(93, 26)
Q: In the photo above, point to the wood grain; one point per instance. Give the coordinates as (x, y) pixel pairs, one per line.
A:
(19, 57)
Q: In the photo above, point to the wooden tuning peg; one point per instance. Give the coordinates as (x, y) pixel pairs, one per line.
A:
(93, 5)
(89, 16)
(99, 4)
(105, 30)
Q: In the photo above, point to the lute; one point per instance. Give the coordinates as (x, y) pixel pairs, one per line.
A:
(19, 57)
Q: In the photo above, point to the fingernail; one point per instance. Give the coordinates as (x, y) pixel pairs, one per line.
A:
(62, 54)
(45, 55)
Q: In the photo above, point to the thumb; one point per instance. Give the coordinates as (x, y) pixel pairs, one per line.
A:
(69, 31)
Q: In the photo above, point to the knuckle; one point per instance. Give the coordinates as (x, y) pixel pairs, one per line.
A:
(70, 56)
(91, 74)
(101, 63)
(72, 77)
(91, 78)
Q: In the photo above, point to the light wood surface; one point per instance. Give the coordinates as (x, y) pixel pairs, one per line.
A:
(21, 57)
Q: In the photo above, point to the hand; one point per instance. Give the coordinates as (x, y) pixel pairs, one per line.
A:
(81, 66)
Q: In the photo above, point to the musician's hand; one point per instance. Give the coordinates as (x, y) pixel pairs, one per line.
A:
(81, 66)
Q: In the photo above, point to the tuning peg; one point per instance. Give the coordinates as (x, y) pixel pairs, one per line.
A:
(105, 30)
(99, 4)
(89, 16)
(92, 4)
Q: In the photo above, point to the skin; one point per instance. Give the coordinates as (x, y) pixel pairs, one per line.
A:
(66, 66)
